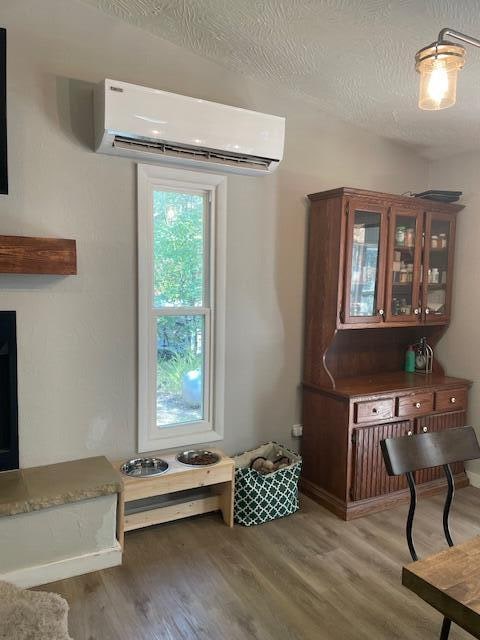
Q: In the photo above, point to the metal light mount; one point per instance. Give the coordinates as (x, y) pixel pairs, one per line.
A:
(438, 65)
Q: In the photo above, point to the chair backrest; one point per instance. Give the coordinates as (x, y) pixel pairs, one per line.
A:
(407, 454)
(425, 450)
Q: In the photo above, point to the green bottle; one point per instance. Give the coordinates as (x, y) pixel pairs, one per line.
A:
(410, 360)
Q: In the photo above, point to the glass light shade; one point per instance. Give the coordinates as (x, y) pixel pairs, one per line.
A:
(438, 66)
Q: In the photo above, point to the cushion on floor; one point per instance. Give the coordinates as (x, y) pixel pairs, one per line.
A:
(32, 615)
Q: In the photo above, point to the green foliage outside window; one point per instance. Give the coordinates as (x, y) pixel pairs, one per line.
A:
(178, 247)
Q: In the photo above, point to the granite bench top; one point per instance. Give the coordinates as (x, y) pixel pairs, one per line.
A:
(36, 488)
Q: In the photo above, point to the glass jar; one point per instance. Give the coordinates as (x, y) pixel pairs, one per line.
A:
(434, 241)
(359, 233)
(442, 238)
(400, 236)
(410, 237)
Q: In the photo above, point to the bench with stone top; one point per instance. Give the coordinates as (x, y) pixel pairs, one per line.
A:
(59, 520)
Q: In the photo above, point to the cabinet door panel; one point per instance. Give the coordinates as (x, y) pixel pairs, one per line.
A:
(438, 267)
(365, 264)
(370, 477)
(402, 299)
(439, 423)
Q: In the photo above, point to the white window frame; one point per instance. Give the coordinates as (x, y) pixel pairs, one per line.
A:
(151, 437)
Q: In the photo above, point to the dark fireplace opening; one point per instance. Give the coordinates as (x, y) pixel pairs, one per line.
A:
(8, 392)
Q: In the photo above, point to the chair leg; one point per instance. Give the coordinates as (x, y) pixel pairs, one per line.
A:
(411, 513)
(445, 629)
(448, 503)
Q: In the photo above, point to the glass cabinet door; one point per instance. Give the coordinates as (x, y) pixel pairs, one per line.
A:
(403, 266)
(365, 264)
(438, 266)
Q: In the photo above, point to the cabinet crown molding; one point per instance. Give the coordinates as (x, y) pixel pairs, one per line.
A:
(393, 199)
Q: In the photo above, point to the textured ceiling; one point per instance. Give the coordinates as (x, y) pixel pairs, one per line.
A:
(354, 58)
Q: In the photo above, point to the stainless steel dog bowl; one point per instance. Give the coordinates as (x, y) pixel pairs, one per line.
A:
(198, 458)
(144, 467)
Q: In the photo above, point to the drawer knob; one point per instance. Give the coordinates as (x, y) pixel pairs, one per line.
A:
(418, 405)
(427, 311)
(381, 312)
(374, 410)
(417, 311)
(453, 399)
(425, 429)
(409, 433)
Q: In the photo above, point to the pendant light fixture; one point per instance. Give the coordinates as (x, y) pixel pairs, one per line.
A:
(438, 66)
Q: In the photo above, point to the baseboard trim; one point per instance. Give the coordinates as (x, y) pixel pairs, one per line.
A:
(67, 568)
(356, 509)
(474, 478)
(323, 497)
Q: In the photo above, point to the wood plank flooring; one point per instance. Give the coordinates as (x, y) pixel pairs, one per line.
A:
(307, 577)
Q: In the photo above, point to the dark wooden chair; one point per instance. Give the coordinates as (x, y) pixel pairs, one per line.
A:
(408, 454)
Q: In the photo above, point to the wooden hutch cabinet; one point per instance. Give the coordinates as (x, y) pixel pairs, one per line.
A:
(379, 277)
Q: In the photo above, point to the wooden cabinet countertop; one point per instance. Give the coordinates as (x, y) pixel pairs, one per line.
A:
(381, 383)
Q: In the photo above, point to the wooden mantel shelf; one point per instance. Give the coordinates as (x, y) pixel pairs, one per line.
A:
(53, 256)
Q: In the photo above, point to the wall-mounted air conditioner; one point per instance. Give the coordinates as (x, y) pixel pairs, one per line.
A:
(155, 126)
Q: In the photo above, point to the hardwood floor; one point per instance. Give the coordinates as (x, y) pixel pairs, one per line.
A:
(307, 577)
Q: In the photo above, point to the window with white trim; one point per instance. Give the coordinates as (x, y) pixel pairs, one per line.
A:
(181, 259)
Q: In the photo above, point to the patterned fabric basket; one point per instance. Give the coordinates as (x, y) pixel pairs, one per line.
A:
(261, 498)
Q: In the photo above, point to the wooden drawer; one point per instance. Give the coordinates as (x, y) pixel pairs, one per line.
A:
(451, 400)
(372, 410)
(415, 404)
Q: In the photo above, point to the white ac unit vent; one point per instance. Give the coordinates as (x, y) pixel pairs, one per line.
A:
(165, 128)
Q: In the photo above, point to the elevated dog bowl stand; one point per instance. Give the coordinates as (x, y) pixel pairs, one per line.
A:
(177, 493)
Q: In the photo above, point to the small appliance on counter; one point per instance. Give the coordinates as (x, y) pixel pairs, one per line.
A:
(423, 357)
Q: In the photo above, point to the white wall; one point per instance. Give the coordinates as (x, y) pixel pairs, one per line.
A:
(77, 335)
(459, 349)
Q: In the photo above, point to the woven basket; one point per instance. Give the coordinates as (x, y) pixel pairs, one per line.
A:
(261, 498)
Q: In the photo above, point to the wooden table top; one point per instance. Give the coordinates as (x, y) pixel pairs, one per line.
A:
(450, 582)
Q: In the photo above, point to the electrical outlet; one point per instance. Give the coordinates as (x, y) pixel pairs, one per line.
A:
(297, 430)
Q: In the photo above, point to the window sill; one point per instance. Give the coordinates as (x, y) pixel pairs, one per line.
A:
(178, 440)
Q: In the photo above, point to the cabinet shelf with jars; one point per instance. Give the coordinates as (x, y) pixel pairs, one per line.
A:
(379, 280)
(396, 259)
